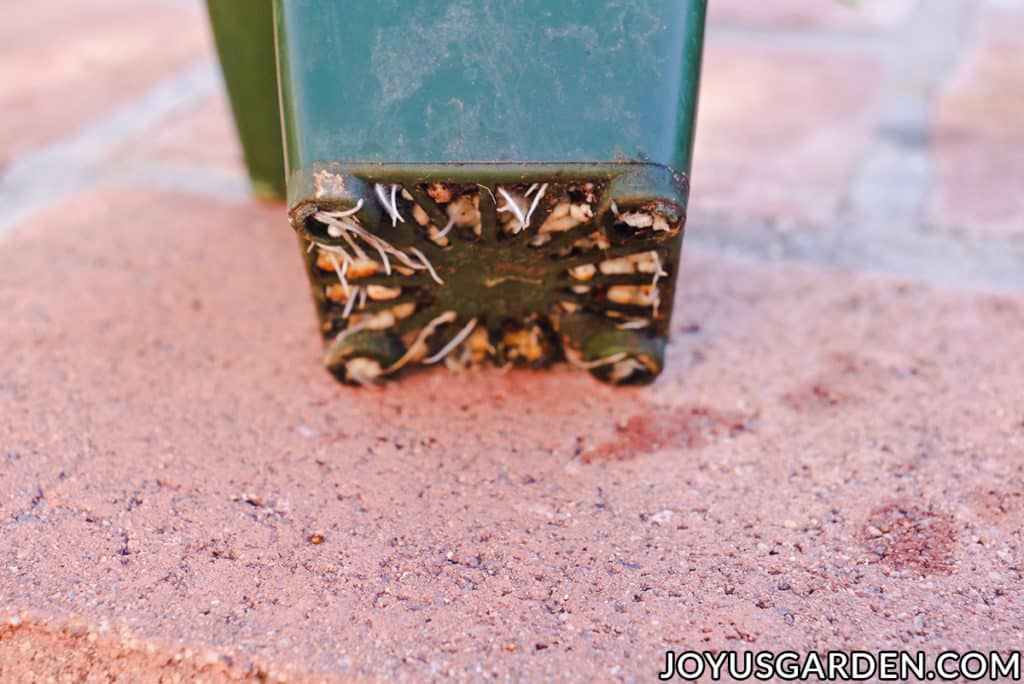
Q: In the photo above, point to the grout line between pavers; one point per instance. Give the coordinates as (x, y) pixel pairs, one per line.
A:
(895, 177)
(990, 265)
(191, 179)
(884, 227)
(49, 174)
(835, 41)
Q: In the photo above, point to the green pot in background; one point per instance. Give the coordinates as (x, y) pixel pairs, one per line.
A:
(244, 33)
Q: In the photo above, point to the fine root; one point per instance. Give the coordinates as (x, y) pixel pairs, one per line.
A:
(575, 359)
(419, 346)
(390, 204)
(455, 342)
(426, 264)
(536, 200)
(350, 230)
(512, 206)
(474, 351)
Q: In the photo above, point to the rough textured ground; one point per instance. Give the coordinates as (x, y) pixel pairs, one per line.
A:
(834, 457)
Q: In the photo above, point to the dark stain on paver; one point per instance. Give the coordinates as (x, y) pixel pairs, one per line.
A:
(908, 536)
(690, 427)
(79, 651)
(994, 504)
(844, 379)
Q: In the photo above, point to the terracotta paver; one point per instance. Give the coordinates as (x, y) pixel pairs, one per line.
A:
(768, 143)
(978, 139)
(831, 460)
(799, 14)
(179, 473)
(63, 63)
(203, 135)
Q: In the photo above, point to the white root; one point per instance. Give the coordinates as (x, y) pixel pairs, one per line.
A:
(536, 200)
(384, 259)
(427, 264)
(574, 359)
(473, 351)
(352, 243)
(493, 198)
(447, 228)
(419, 344)
(390, 205)
(512, 206)
(350, 303)
(382, 246)
(455, 342)
(348, 212)
(339, 269)
(659, 272)
(623, 365)
(365, 373)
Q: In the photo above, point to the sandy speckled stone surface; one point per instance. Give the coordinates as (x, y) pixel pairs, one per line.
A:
(833, 459)
(823, 445)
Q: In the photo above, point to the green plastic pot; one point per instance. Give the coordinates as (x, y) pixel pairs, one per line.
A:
(496, 181)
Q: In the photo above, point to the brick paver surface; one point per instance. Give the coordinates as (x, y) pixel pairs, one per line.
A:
(202, 135)
(979, 134)
(64, 63)
(799, 14)
(764, 149)
(833, 459)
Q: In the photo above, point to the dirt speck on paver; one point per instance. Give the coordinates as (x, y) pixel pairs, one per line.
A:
(844, 378)
(690, 428)
(908, 536)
